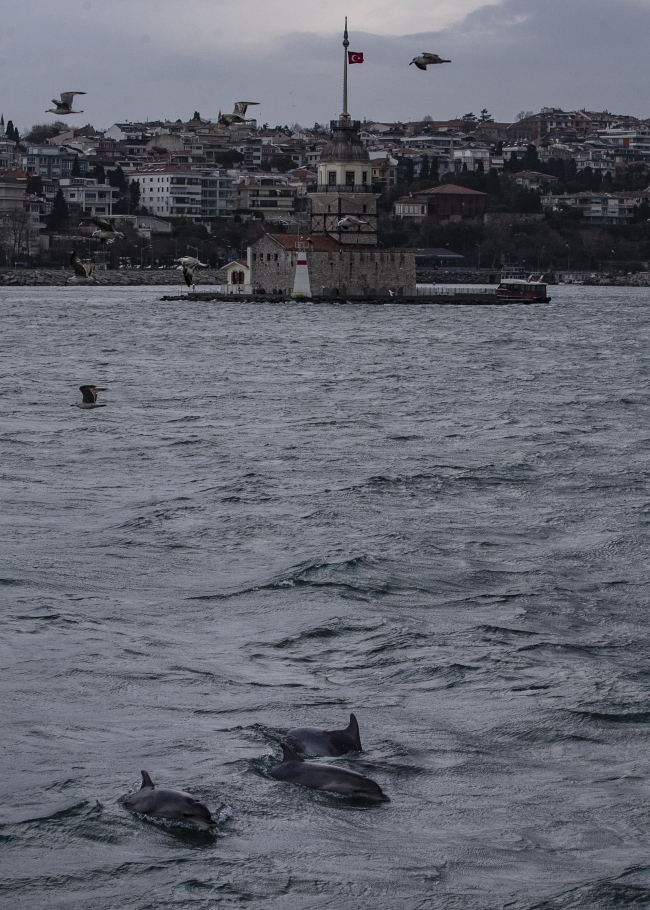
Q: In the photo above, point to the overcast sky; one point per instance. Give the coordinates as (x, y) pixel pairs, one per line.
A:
(153, 59)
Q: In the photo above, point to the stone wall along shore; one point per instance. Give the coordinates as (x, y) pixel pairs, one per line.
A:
(108, 278)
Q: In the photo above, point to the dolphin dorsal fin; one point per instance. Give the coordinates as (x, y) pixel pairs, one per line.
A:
(353, 731)
(146, 780)
(289, 754)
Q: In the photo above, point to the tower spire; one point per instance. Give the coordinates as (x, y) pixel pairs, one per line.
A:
(346, 44)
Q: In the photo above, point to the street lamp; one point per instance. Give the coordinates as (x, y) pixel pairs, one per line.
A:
(611, 263)
(195, 248)
(568, 257)
(142, 249)
(478, 264)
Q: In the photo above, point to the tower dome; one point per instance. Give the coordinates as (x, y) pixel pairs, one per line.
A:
(345, 144)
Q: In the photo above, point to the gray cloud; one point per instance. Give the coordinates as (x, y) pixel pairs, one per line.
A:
(519, 54)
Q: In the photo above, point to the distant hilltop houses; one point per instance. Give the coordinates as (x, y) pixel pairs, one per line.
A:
(204, 170)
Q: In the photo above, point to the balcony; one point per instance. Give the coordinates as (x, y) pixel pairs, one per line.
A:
(343, 188)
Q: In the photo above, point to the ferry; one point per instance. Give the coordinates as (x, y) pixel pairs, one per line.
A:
(522, 289)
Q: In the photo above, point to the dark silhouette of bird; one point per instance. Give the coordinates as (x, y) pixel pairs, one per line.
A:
(89, 397)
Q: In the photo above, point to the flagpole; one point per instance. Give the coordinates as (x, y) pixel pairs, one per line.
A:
(346, 44)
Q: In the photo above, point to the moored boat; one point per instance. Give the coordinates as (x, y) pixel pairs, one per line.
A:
(522, 290)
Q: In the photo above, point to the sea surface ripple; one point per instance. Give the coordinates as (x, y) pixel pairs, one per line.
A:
(436, 517)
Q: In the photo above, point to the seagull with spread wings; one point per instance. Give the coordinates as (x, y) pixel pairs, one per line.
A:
(350, 221)
(239, 113)
(82, 270)
(106, 232)
(89, 397)
(426, 59)
(64, 106)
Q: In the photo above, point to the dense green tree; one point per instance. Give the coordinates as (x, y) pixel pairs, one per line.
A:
(134, 195)
(485, 116)
(34, 185)
(117, 179)
(76, 170)
(196, 116)
(424, 168)
(228, 159)
(58, 217)
(99, 173)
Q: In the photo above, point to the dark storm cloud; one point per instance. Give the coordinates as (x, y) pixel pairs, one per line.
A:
(519, 54)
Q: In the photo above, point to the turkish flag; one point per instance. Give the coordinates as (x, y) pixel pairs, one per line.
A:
(355, 57)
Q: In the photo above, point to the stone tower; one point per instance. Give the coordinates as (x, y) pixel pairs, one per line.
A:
(345, 180)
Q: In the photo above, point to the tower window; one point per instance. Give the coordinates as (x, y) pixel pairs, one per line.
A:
(349, 178)
(364, 177)
(331, 178)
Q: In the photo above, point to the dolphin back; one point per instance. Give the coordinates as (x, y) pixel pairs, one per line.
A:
(315, 741)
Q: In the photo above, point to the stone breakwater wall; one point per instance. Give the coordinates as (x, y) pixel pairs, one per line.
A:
(459, 276)
(640, 280)
(108, 278)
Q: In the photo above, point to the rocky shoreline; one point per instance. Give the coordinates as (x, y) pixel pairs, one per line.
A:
(108, 278)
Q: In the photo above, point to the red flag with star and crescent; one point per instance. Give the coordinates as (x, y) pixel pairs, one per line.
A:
(355, 57)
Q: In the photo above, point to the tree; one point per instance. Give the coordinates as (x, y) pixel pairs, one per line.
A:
(427, 118)
(524, 115)
(76, 170)
(42, 131)
(469, 118)
(99, 173)
(12, 133)
(227, 159)
(58, 217)
(196, 116)
(15, 230)
(485, 116)
(117, 179)
(424, 168)
(134, 194)
(34, 185)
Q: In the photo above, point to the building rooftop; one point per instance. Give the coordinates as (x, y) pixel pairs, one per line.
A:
(320, 243)
(451, 189)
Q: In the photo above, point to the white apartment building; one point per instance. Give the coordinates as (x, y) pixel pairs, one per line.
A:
(169, 191)
(91, 197)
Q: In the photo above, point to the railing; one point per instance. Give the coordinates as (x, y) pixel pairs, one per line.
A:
(342, 188)
(456, 290)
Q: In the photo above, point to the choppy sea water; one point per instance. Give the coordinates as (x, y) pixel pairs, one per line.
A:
(435, 517)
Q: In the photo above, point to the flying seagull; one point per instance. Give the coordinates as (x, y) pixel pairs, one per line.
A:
(83, 270)
(106, 232)
(89, 397)
(350, 221)
(191, 262)
(239, 114)
(64, 106)
(425, 59)
(188, 275)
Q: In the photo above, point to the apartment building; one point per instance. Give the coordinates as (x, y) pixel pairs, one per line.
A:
(91, 197)
(597, 208)
(275, 191)
(169, 191)
(52, 162)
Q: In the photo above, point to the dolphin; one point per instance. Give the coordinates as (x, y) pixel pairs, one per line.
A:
(314, 741)
(171, 804)
(295, 770)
